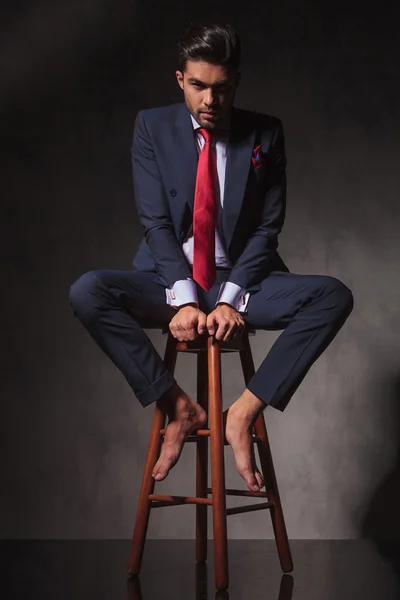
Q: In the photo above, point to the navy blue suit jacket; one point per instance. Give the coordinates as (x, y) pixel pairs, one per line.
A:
(164, 158)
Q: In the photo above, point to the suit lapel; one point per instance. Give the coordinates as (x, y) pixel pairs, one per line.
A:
(240, 147)
(186, 153)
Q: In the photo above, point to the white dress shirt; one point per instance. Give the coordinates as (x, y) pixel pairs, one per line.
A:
(184, 290)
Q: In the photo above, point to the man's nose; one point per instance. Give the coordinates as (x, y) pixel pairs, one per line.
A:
(209, 98)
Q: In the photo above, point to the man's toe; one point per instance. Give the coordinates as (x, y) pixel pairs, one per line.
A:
(260, 481)
(250, 480)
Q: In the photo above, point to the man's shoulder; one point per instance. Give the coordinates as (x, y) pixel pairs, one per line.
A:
(157, 113)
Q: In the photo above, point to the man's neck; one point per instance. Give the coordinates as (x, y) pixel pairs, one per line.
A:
(222, 126)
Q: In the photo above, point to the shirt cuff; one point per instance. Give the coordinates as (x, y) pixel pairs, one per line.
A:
(181, 292)
(231, 293)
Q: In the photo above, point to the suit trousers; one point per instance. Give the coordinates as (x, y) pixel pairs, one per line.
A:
(116, 306)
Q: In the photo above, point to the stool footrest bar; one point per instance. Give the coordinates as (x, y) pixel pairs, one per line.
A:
(248, 508)
(165, 500)
(193, 436)
(230, 492)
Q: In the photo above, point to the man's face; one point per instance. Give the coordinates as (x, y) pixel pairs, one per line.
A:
(209, 92)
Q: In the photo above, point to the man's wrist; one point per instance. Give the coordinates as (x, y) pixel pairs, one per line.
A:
(234, 295)
(226, 304)
(193, 304)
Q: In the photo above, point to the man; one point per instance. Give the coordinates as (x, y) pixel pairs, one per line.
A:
(210, 187)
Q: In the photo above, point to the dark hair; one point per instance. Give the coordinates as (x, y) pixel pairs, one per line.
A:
(216, 44)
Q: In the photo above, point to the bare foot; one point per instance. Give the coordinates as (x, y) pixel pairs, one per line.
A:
(238, 433)
(186, 418)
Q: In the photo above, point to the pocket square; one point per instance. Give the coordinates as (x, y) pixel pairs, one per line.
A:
(257, 158)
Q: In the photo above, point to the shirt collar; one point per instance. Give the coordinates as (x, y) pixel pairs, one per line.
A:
(194, 123)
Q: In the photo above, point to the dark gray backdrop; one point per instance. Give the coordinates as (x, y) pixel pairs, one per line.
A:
(73, 435)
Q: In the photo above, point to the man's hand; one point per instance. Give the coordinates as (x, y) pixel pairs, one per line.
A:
(188, 323)
(225, 322)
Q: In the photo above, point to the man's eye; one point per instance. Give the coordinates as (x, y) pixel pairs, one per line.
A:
(198, 86)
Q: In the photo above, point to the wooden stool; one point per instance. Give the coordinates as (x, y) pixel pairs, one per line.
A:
(209, 396)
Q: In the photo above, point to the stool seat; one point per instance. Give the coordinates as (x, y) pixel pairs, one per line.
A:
(209, 395)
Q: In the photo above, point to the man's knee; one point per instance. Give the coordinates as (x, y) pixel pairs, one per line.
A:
(83, 294)
(344, 298)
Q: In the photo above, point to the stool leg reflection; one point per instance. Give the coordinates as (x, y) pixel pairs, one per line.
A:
(201, 588)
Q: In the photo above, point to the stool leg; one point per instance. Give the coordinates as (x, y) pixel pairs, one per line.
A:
(148, 482)
(201, 462)
(217, 465)
(278, 521)
(267, 467)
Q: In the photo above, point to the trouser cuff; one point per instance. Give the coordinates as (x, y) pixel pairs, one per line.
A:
(157, 389)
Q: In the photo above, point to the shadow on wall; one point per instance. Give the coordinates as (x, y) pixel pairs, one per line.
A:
(381, 523)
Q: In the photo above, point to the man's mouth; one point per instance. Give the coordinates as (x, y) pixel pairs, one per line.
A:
(209, 113)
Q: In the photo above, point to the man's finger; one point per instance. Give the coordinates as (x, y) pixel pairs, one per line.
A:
(211, 321)
(221, 331)
(192, 332)
(229, 334)
(202, 324)
(187, 331)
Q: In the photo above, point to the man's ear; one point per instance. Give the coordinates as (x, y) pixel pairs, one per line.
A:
(179, 78)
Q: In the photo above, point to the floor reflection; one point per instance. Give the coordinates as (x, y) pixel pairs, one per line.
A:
(201, 587)
(86, 569)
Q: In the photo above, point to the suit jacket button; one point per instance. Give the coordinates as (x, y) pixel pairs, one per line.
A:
(172, 192)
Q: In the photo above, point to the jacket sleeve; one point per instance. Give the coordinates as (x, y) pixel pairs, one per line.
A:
(153, 209)
(253, 264)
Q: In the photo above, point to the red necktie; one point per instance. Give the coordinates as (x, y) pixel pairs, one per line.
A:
(204, 215)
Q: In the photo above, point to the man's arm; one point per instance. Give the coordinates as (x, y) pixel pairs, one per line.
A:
(253, 264)
(153, 209)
